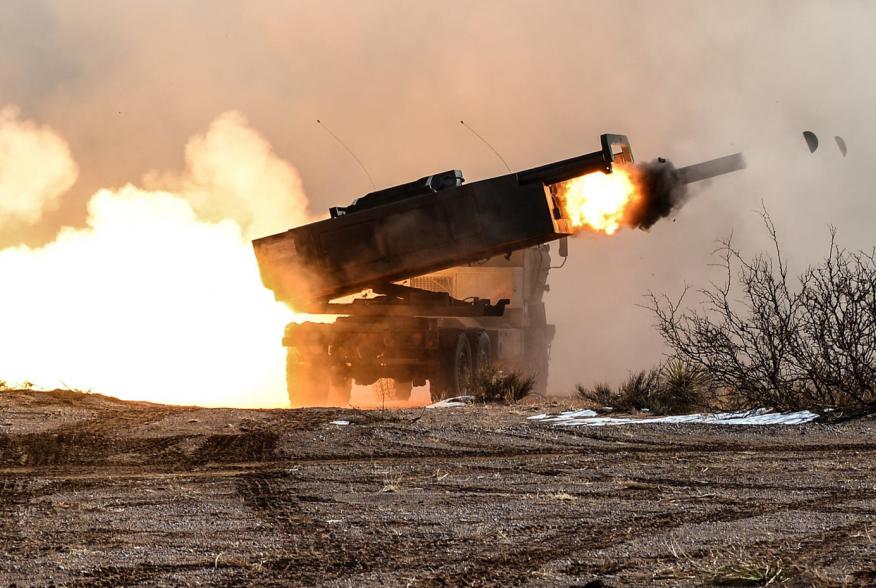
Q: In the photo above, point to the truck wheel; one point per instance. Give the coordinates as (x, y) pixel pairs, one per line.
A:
(483, 353)
(537, 357)
(392, 389)
(541, 373)
(307, 384)
(455, 370)
(437, 389)
(309, 381)
(460, 367)
(402, 390)
(339, 392)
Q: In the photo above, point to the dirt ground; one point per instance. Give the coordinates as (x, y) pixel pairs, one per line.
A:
(100, 492)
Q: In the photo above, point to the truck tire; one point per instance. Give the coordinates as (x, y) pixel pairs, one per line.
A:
(310, 382)
(540, 372)
(483, 353)
(306, 383)
(402, 390)
(339, 392)
(458, 368)
(391, 389)
(437, 389)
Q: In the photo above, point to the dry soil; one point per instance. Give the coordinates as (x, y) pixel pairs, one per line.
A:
(100, 492)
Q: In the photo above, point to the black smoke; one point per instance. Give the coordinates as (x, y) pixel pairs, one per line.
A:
(662, 190)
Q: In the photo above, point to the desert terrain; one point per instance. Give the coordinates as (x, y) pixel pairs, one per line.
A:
(99, 492)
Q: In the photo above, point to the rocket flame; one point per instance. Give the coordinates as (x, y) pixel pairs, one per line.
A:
(598, 201)
(158, 298)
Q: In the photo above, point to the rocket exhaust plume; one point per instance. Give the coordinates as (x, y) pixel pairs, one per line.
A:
(635, 195)
(158, 296)
(661, 190)
(35, 169)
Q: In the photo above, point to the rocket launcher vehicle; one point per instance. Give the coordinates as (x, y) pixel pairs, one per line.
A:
(434, 223)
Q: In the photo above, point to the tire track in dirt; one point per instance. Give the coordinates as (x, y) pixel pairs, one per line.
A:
(15, 493)
(255, 446)
(315, 552)
(576, 538)
(800, 558)
(822, 547)
(85, 449)
(65, 455)
(638, 443)
(92, 442)
(150, 574)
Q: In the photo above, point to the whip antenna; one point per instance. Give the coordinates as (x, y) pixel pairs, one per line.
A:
(487, 143)
(350, 151)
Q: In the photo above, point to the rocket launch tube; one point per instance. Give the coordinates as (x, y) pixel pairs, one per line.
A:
(441, 226)
(711, 168)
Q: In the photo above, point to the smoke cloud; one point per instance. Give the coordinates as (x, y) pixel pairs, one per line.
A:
(232, 173)
(158, 296)
(128, 83)
(35, 169)
(663, 192)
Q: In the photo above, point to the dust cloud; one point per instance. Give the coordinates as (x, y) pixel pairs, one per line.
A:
(127, 84)
(35, 169)
(663, 193)
(152, 300)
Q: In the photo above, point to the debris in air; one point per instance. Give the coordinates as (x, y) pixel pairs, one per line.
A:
(760, 416)
(841, 143)
(811, 141)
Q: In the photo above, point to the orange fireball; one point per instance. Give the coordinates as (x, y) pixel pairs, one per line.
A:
(598, 201)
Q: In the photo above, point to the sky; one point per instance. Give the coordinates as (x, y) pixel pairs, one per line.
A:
(126, 85)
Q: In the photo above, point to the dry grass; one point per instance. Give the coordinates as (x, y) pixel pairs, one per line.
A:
(493, 385)
(673, 388)
(561, 496)
(738, 567)
(600, 394)
(391, 484)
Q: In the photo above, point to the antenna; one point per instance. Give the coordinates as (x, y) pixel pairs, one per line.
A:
(350, 151)
(485, 142)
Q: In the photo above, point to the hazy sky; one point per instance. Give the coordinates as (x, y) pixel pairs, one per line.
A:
(127, 83)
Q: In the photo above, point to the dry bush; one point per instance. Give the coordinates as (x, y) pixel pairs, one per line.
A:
(493, 385)
(674, 388)
(601, 394)
(639, 390)
(683, 387)
(773, 341)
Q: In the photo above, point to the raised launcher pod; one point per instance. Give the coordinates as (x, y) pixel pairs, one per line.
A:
(434, 223)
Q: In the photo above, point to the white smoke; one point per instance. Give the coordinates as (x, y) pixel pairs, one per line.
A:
(35, 169)
(158, 297)
(232, 173)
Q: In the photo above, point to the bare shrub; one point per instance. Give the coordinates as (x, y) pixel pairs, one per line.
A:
(638, 390)
(836, 346)
(674, 388)
(493, 385)
(770, 340)
(601, 394)
(683, 387)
